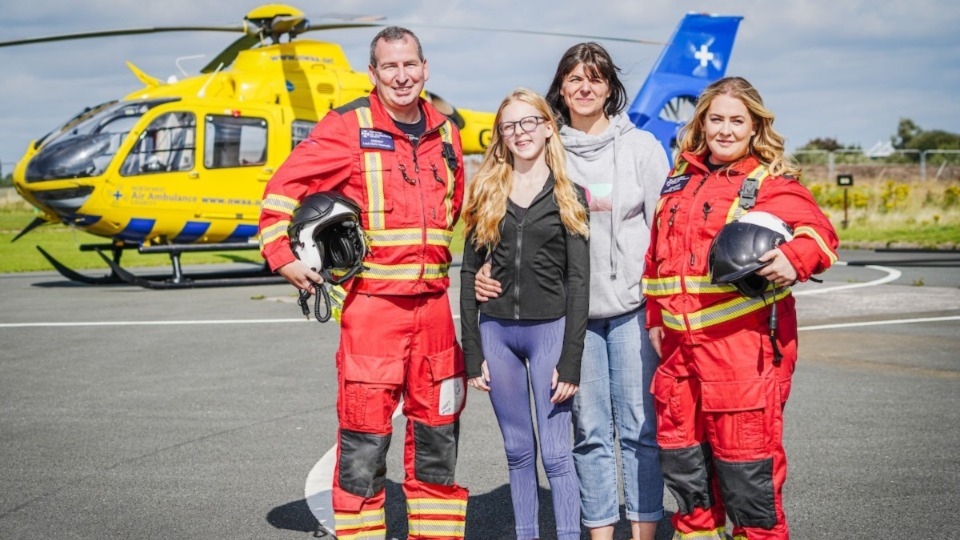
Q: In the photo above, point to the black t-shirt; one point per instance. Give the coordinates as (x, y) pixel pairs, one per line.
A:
(413, 131)
(713, 167)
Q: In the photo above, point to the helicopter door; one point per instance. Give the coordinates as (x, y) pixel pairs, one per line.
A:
(236, 164)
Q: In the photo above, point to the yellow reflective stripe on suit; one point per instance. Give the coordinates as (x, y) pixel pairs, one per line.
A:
(442, 507)
(373, 176)
(672, 285)
(280, 204)
(436, 528)
(447, 137)
(409, 237)
(719, 313)
(273, 232)
(400, 271)
(370, 519)
(809, 231)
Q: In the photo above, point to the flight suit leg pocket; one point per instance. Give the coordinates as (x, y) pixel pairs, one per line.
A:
(447, 385)
(370, 391)
(674, 404)
(734, 413)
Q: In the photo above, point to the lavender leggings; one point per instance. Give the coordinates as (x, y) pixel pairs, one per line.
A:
(521, 355)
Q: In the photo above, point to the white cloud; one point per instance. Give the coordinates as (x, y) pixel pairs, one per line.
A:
(847, 69)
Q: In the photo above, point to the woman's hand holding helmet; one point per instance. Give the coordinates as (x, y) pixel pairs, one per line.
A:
(779, 270)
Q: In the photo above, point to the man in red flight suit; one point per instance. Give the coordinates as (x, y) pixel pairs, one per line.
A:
(401, 160)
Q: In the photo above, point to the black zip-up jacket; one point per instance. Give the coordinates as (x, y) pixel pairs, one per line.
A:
(544, 272)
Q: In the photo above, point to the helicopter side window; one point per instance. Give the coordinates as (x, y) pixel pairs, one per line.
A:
(167, 145)
(234, 141)
(301, 130)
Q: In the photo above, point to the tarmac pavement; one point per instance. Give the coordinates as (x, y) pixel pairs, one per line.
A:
(200, 413)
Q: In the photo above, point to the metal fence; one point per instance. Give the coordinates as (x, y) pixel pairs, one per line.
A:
(899, 165)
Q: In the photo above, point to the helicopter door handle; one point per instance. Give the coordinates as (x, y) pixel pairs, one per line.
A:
(193, 174)
(267, 174)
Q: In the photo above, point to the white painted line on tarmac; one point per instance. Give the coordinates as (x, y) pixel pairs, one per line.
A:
(879, 323)
(153, 323)
(146, 323)
(892, 275)
(317, 490)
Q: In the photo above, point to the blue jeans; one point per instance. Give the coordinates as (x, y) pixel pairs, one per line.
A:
(615, 376)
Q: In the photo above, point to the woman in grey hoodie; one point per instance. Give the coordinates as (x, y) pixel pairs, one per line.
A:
(623, 169)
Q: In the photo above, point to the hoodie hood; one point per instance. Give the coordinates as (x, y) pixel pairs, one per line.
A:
(594, 147)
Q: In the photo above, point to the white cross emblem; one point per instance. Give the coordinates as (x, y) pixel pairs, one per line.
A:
(703, 55)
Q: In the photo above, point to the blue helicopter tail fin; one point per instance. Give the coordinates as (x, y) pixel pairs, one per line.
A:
(696, 56)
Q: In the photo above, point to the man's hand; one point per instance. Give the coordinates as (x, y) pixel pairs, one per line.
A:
(300, 275)
(562, 391)
(485, 287)
(482, 382)
(656, 338)
(779, 271)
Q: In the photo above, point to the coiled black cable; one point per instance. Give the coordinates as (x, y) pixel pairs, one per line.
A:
(320, 295)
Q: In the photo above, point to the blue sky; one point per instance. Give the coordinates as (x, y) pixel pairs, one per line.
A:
(847, 69)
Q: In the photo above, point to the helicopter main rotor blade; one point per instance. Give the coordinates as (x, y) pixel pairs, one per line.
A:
(538, 33)
(229, 54)
(123, 32)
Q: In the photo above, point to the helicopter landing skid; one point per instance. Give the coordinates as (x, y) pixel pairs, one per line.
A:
(178, 280)
(73, 275)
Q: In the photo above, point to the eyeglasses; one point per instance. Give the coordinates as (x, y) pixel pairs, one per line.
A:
(528, 124)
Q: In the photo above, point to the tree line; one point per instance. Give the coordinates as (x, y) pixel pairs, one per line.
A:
(910, 139)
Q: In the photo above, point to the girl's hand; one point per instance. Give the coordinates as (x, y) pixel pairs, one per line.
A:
(562, 391)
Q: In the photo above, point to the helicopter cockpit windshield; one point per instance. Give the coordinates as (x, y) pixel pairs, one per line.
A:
(85, 146)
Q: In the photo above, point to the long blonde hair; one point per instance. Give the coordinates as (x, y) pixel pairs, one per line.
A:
(767, 145)
(488, 191)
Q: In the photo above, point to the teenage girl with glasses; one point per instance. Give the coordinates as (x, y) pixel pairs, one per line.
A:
(529, 221)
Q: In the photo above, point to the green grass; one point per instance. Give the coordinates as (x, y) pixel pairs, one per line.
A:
(923, 236)
(63, 243)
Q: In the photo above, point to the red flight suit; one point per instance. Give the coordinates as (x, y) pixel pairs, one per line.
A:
(397, 336)
(718, 392)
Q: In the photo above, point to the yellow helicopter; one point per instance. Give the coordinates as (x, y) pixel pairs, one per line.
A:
(180, 166)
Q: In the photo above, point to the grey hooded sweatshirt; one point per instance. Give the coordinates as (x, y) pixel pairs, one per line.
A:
(624, 169)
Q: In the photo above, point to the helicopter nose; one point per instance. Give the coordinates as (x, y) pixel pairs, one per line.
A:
(65, 202)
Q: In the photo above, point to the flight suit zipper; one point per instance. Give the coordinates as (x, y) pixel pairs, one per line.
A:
(423, 204)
